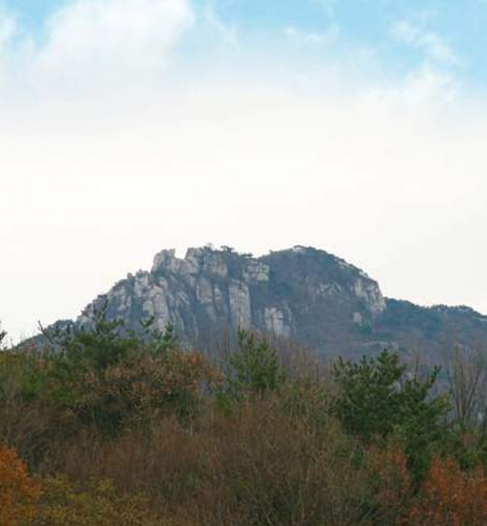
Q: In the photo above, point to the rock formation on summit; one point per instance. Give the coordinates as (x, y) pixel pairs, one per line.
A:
(303, 294)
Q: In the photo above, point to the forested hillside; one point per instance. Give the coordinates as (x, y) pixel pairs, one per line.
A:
(106, 427)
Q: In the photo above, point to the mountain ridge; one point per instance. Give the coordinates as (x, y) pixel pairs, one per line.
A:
(303, 293)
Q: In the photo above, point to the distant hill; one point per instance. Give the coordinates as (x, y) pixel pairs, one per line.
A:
(303, 294)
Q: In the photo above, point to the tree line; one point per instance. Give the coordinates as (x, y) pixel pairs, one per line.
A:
(107, 427)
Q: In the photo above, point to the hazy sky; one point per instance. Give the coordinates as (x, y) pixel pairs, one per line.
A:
(128, 126)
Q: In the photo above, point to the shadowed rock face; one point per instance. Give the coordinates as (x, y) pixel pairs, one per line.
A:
(304, 294)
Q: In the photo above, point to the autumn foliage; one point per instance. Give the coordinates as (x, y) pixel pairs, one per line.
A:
(451, 497)
(19, 494)
(113, 429)
(95, 503)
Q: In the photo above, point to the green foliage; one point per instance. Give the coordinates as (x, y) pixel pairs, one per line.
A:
(160, 343)
(422, 425)
(255, 368)
(106, 343)
(97, 348)
(376, 399)
(104, 379)
(369, 397)
(293, 449)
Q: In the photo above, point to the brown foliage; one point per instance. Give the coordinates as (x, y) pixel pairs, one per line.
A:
(266, 467)
(390, 482)
(259, 466)
(96, 504)
(145, 388)
(143, 442)
(18, 492)
(164, 464)
(450, 497)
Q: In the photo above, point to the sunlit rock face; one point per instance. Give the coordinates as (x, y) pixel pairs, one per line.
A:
(302, 294)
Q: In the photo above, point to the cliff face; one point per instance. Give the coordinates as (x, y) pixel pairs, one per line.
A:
(303, 293)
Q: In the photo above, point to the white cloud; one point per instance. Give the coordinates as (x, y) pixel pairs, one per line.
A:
(427, 84)
(301, 37)
(105, 44)
(423, 86)
(429, 42)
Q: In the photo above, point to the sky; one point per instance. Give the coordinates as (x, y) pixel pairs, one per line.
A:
(129, 126)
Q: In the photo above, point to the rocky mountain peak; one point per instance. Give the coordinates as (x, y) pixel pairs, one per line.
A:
(300, 293)
(213, 288)
(208, 261)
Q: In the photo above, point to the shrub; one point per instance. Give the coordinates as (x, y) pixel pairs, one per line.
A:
(141, 390)
(286, 448)
(18, 492)
(168, 464)
(450, 497)
(50, 399)
(96, 504)
(390, 482)
(267, 469)
(104, 379)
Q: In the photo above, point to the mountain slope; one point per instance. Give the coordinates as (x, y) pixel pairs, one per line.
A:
(304, 294)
